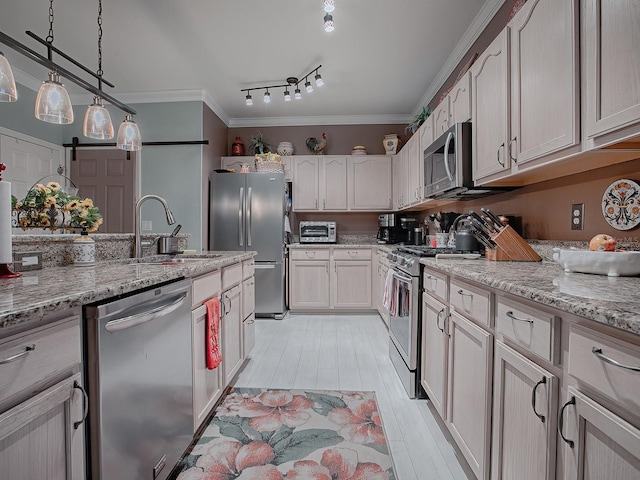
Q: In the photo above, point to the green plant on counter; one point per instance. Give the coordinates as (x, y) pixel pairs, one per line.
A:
(258, 144)
(418, 120)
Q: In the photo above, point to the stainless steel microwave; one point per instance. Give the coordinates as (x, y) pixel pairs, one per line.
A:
(448, 167)
(318, 232)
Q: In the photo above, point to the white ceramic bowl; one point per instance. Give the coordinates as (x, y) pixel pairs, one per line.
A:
(284, 149)
(613, 264)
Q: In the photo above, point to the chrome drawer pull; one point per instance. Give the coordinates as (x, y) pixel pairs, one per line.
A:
(572, 401)
(513, 317)
(27, 350)
(461, 292)
(598, 353)
(533, 398)
(85, 405)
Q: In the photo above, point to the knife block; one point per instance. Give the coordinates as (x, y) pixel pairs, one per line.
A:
(510, 247)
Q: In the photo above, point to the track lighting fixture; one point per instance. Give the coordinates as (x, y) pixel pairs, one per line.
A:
(328, 23)
(291, 81)
(329, 6)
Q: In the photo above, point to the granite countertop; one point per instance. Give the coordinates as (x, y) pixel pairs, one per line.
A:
(610, 300)
(27, 299)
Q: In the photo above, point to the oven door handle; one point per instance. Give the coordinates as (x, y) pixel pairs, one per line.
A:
(399, 276)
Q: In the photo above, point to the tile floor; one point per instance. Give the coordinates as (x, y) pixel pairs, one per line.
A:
(338, 352)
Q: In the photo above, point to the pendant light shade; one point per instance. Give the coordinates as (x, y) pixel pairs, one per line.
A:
(129, 136)
(97, 121)
(8, 92)
(53, 104)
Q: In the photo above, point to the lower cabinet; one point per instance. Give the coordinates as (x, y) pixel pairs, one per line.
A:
(598, 444)
(469, 392)
(380, 280)
(231, 330)
(248, 322)
(351, 284)
(435, 349)
(248, 335)
(43, 437)
(308, 284)
(524, 418)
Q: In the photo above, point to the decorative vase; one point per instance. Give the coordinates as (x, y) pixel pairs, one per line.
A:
(237, 147)
(390, 143)
(84, 250)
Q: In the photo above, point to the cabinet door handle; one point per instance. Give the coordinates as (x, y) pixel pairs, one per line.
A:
(572, 401)
(510, 149)
(533, 398)
(85, 405)
(598, 353)
(513, 317)
(498, 154)
(27, 350)
(225, 303)
(324, 203)
(316, 203)
(353, 254)
(461, 292)
(438, 321)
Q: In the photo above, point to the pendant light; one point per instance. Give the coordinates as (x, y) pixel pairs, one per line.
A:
(129, 135)
(53, 104)
(97, 120)
(8, 91)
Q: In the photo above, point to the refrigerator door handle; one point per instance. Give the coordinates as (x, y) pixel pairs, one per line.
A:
(240, 218)
(249, 204)
(269, 266)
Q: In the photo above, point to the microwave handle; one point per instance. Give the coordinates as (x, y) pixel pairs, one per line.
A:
(450, 137)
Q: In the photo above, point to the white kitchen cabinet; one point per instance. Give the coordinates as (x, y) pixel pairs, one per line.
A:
(611, 65)
(435, 348)
(415, 162)
(381, 277)
(426, 133)
(351, 280)
(441, 119)
(306, 187)
(231, 331)
(400, 178)
(309, 283)
(545, 114)
(490, 110)
(369, 182)
(525, 398)
(469, 392)
(248, 317)
(43, 437)
(460, 100)
(333, 183)
(597, 443)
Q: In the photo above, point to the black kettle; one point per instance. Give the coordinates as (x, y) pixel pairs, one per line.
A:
(464, 239)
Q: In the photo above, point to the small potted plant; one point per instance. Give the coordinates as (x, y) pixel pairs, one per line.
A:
(418, 120)
(258, 144)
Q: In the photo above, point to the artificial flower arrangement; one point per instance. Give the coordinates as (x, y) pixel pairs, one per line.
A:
(49, 206)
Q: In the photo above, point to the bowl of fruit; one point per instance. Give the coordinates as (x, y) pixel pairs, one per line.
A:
(602, 258)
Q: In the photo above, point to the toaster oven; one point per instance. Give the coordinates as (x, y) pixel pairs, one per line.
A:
(318, 232)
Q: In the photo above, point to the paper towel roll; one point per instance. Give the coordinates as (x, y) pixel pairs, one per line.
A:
(5, 223)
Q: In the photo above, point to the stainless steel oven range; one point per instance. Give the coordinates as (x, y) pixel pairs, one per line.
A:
(405, 316)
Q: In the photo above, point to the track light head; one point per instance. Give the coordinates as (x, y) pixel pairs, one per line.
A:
(328, 23)
(249, 100)
(267, 96)
(297, 95)
(318, 78)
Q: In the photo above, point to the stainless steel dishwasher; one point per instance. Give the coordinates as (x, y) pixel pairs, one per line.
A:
(138, 371)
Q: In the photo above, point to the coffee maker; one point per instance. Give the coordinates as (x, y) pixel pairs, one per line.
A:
(407, 230)
(388, 230)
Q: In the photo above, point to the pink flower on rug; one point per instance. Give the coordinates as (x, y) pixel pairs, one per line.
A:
(233, 403)
(272, 409)
(308, 470)
(225, 459)
(360, 423)
(343, 464)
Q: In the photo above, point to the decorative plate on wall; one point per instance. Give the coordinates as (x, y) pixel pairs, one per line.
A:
(621, 204)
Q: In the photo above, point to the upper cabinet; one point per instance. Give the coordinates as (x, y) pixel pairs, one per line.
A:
(333, 183)
(611, 65)
(306, 185)
(460, 100)
(369, 182)
(441, 121)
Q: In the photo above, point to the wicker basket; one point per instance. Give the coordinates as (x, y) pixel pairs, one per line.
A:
(269, 167)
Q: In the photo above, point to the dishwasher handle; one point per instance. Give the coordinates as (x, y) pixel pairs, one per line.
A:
(132, 320)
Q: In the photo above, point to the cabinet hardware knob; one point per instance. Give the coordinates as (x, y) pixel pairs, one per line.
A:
(598, 353)
(572, 401)
(85, 405)
(533, 398)
(513, 317)
(27, 350)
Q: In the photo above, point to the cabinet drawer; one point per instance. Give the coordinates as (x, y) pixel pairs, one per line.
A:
(471, 301)
(528, 327)
(248, 297)
(437, 284)
(205, 286)
(352, 254)
(590, 355)
(43, 355)
(310, 254)
(231, 275)
(247, 269)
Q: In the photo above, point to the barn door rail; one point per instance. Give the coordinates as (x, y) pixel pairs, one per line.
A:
(75, 144)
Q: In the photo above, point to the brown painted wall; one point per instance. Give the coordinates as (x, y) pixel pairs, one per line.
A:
(214, 130)
(340, 138)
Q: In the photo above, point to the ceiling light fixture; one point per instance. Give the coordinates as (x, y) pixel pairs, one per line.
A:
(8, 91)
(329, 6)
(328, 23)
(291, 81)
(53, 103)
(129, 135)
(97, 120)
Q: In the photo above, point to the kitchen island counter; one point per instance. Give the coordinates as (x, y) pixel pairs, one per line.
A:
(612, 301)
(25, 301)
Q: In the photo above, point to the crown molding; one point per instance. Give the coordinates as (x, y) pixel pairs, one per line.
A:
(480, 22)
(319, 120)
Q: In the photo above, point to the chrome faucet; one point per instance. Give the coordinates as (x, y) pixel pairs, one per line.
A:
(137, 245)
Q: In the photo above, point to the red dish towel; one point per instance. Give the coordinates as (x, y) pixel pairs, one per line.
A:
(212, 336)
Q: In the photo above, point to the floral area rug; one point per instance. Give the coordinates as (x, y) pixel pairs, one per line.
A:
(261, 434)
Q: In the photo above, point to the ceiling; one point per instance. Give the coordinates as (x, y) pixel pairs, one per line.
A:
(381, 64)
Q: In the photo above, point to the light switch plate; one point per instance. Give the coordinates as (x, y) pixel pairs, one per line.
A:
(577, 216)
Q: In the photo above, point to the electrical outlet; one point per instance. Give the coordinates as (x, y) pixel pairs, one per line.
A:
(577, 216)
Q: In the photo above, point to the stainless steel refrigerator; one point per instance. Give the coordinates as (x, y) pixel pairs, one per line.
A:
(247, 213)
